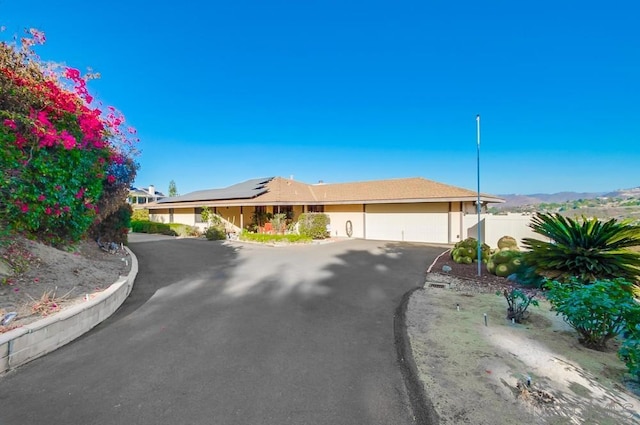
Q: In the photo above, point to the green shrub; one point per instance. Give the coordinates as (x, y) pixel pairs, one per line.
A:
(588, 250)
(152, 227)
(629, 352)
(140, 215)
(267, 238)
(115, 227)
(184, 229)
(215, 233)
(517, 304)
(211, 218)
(598, 311)
(279, 223)
(313, 225)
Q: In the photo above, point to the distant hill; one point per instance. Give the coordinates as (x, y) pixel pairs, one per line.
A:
(515, 200)
(624, 193)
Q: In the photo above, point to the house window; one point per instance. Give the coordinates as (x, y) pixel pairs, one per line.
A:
(198, 213)
(315, 208)
(286, 209)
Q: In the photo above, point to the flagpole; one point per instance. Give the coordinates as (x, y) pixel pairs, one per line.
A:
(479, 233)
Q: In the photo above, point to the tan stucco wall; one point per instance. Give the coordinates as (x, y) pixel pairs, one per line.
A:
(340, 214)
(159, 216)
(232, 215)
(184, 216)
(180, 215)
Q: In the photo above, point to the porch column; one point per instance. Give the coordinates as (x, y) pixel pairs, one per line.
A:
(241, 217)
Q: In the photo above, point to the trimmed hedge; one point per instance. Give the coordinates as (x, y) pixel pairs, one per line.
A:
(152, 227)
(267, 238)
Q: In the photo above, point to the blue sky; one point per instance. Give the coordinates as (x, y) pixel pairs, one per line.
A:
(340, 91)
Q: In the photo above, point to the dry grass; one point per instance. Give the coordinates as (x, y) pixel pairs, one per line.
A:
(47, 304)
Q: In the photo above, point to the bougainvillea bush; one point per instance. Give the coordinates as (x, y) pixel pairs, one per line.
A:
(65, 163)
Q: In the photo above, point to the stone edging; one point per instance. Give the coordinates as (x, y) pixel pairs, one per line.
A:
(28, 342)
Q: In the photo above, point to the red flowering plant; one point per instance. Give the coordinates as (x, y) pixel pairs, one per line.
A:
(65, 165)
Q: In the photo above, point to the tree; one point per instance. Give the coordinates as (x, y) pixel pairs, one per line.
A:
(173, 190)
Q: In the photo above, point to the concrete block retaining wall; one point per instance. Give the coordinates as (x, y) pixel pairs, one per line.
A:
(36, 339)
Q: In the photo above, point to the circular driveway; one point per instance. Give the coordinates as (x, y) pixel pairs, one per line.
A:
(233, 333)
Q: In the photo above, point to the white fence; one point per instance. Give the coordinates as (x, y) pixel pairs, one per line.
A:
(493, 227)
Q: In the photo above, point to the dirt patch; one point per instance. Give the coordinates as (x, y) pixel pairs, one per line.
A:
(477, 372)
(56, 279)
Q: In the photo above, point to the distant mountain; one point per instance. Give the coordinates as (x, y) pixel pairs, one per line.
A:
(515, 200)
(624, 193)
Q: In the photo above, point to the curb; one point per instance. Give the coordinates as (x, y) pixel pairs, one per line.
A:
(422, 408)
(21, 345)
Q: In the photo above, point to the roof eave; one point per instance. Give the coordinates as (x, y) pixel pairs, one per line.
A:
(256, 202)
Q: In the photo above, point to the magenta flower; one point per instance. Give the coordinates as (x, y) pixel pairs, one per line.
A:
(41, 198)
(68, 141)
(38, 36)
(10, 123)
(72, 73)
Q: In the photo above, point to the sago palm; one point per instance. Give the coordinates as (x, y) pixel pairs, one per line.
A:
(588, 249)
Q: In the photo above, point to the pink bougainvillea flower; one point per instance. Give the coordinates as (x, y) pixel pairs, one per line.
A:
(24, 208)
(10, 123)
(58, 187)
(20, 140)
(48, 211)
(35, 279)
(72, 73)
(38, 36)
(111, 179)
(16, 289)
(68, 141)
(80, 193)
(41, 198)
(66, 209)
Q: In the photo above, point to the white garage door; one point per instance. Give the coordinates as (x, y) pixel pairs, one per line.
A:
(408, 222)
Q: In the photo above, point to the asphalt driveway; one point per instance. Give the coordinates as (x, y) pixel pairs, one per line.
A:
(232, 333)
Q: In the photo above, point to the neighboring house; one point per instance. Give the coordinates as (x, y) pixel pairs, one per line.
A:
(410, 209)
(139, 197)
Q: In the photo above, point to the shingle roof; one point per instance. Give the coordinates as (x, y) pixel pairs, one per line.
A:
(281, 191)
(402, 190)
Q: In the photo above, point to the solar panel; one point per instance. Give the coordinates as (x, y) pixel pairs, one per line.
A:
(245, 190)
